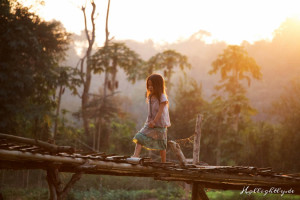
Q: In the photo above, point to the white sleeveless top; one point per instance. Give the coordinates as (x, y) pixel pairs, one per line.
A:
(153, 107)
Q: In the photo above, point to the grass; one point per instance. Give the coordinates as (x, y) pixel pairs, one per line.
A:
(169, 193)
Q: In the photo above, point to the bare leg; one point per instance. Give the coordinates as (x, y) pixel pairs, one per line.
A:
(163, 155)
(137, 150)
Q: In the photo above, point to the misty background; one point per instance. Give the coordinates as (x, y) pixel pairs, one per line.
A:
(279, 60)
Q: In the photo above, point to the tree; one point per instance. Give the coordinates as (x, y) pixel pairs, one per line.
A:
(30, 52)
(86, 71)
(219, 132)
(167, 61)
(112, 56)
(287, 111)
(235, 65)
(188, 103)
(108, 59)
(67, 79)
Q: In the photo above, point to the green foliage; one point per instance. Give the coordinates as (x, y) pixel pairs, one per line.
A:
(287, 111)
(30, 52)
(188, 103)
(259, 145)
(235, 65)
(166, 61)
(68, 77)
(68, 132)
(231, 108)
(115, 54)
(122, 130)
(107, 113)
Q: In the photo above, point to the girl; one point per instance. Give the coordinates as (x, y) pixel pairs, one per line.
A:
(153, 136)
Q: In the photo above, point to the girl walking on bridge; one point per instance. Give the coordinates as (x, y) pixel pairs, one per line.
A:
(153, 136)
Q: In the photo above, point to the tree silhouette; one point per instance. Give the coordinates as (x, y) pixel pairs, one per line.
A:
(167, 61)
(86, 71)
(287, 110)
(113, 56)
(235, 65)
(108, 59)
(30, 54)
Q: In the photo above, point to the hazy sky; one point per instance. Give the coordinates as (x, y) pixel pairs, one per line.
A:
(163, 21)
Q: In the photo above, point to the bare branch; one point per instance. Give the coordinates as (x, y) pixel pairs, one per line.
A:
(93, 23)
(85, 24)
(81, 69)
(69, 185)
(106, 25)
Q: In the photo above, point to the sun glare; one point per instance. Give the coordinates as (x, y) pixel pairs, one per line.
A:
(232, 21)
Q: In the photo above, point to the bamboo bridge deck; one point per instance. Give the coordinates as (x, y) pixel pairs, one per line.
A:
(22, 153)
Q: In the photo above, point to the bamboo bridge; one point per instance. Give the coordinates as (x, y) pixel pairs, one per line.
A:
(24, 153)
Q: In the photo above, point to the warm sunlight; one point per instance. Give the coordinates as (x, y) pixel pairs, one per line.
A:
(232, 21)
(185, 99)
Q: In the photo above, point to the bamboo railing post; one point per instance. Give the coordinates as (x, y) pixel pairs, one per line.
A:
(197, 137)
(198, 192)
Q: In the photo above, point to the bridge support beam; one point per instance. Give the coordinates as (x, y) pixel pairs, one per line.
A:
(56, 189)
(198, 192)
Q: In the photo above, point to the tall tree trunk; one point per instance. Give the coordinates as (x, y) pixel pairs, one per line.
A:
(88, 72)
(95, 137)
(100, 119)
(218, 156)
(105, 44)
(57, 112)
(113, 76)
(169, 78)
(99, 134)
(84, 103)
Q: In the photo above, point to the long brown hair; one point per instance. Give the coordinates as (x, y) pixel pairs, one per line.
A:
(158, 84)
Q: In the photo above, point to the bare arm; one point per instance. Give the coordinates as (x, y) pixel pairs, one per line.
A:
(158, 115)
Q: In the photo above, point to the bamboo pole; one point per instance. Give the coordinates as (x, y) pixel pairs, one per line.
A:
(45, 145)
(197, 137)
(198, 192)
(126, 169)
